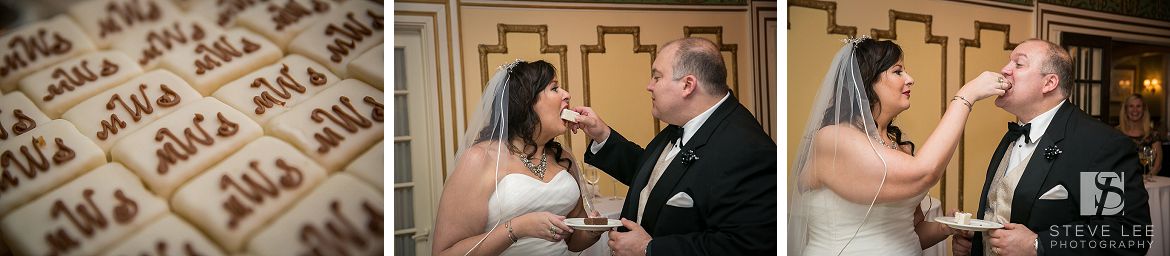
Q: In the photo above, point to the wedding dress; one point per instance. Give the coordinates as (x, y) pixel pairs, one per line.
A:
(889, 229)
(518, 194)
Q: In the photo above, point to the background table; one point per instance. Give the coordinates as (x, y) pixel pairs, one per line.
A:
(1159, 191)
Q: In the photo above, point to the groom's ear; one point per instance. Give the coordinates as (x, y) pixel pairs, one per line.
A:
(1051, 82)
(690, 85)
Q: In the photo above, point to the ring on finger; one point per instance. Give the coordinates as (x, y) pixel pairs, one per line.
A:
(999, 80)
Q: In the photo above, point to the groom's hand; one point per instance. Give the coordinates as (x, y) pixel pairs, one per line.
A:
(1013, 239)
(591, 123)
(629, 243)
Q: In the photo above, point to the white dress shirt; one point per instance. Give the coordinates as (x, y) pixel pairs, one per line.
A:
(1023, 149)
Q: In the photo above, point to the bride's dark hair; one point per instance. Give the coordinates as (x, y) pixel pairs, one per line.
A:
(873, 58)
(525, 82)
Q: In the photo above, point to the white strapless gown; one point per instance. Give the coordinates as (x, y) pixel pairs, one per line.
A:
(888, 231)
(517, 195)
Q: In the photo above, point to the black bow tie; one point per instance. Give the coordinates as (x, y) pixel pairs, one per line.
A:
(676, 137)
(1015, 130)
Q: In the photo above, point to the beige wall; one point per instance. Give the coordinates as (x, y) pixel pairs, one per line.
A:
(935, 66)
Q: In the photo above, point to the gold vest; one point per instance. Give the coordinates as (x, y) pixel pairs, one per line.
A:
(999, 195)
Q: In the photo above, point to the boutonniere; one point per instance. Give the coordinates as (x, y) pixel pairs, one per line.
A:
(1051, 152)
(689, 156)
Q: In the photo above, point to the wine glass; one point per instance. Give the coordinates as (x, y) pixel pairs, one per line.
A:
(1146, 156)
(592, 177)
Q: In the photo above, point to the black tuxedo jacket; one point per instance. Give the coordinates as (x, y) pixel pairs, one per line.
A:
(1087, 145)
(732, 183)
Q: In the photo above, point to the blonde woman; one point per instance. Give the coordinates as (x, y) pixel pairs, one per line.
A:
(1135, 123)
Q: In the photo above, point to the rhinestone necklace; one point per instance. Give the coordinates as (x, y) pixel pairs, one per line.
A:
(537, 169)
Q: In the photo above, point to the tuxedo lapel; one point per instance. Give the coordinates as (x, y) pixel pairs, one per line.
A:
(676, 170)
(1028, 189)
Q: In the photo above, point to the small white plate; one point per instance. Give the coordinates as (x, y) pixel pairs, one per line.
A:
(579, 224)
(974, 225)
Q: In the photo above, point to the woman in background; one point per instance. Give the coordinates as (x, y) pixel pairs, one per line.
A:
(1135, 123)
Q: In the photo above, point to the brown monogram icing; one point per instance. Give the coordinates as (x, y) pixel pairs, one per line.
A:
(129, 12)
(80, 76)
(23, 124)
(222, 51)
(256, 191)
(88, 218)
(351, 122)
(284, 82)
(292, 12)
(33, 163)
(168, 155)
(352, 31)
(167, 38)
(228, 9)
(339, 232)
(160, 249)
(37, 45)
(141, 105)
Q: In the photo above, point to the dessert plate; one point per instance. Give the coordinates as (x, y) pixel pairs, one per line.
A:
(579, 224)
(974, 225)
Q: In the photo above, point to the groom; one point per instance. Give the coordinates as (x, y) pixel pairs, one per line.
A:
(1061, 182)
(706, 184)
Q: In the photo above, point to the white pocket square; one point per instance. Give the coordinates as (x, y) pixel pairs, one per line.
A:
(1056, 193)
(681, 200)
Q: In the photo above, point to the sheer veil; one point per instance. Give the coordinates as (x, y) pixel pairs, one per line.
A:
(842, 103)
(487, 128)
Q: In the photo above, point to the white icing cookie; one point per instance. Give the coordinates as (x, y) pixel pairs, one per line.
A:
(36, 46)
(341, 214)
(368, 166)
(369, 66)
(334, 126)
(104, 21)
(113, 114)
(63, 85)
(340, 37)
(209, 64)
(236, 197)
(150, 45)
(18, 115)
(84, 216)
(42, 160)
(272, 90)
(281, 20)
(182, 144)
(169, 235)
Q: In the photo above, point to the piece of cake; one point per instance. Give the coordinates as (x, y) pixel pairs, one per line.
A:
(115, 113)
(58, 39)
(274, 89)
(596, 221)
(67, 83)
(342, 215)
(212, 63)
(569, 115)
(963, 218)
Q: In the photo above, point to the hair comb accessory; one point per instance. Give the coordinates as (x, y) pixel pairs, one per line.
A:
(856, 40)
(509, 66)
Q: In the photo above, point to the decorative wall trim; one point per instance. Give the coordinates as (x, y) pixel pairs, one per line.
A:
(502, 48)
(999, 4)
(831, 8)
(977, 43)
(600, 48)
(763, 14)
(718, 32)
(930, 38)
(603, 6)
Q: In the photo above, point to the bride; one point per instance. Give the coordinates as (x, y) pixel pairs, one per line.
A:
(858, 184)
(513, 186)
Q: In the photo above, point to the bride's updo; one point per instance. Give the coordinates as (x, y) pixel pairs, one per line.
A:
(525, 81)
(873, 58)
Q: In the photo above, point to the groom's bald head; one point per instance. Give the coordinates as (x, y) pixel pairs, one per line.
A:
(699, 57)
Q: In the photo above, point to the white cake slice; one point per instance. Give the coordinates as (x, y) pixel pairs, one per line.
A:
(569, 115)
(963, 218)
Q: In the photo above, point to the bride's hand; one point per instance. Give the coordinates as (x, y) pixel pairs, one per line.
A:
(543, 225)
(986, 85)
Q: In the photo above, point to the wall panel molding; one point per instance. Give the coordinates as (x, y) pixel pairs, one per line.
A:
(600, 48)
(977, 42)
(831, 8)
(502, 48)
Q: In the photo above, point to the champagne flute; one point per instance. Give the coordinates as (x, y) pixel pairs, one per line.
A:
(1146, 156)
